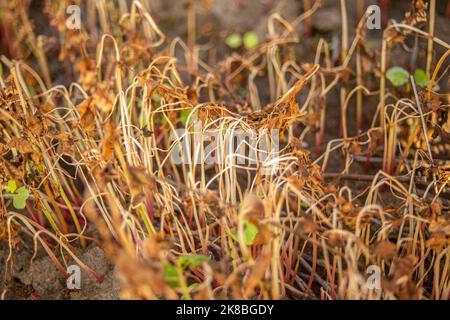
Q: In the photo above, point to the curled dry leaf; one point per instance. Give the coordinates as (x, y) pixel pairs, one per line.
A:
(87, 113)
(386, 250)
(109, 139)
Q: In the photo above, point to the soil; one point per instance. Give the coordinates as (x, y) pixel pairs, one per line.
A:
(26, 277)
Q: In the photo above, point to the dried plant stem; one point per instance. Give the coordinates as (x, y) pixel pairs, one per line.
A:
(432, 19)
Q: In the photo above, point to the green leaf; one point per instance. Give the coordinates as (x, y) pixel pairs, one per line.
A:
(234, 41)
(250, 233)
(156, 97)
(20, 198)
(421, 78)
(242, 92)
(12, 186)
(304, 204)
(170, 274)
(170, 271)
(192, 260)
(184, 115)
(397, 76)
(251, 40)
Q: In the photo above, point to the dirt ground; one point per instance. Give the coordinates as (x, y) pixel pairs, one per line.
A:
(38, 278)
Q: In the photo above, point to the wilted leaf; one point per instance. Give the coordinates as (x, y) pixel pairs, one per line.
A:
(87, 115)
(446, 126)
(104, 96)
(22, 145)
(109, 139)
(253, 206)
(307, 225)
(257, 273)
(437, 243)
(385, 249)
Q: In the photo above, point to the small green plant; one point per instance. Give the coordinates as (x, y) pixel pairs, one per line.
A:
(399, 77)
(184, 115)
(250, 40)
(250, 233)
(19, 195)
(170, 271)
(156, 97)
(234, 41)
(192, 260)
(171, 276)
(421, 78)
(242, 92)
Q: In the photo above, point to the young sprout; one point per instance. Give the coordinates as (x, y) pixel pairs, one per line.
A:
(19, 195)
(234, 41)
(251, 40)
(397, 76)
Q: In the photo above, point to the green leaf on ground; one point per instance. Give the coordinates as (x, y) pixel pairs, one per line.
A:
(192, 260)
(12, 186)
(304, 204)
(20, 198)
(170, 274)
(251, 40)
(156, 97)
(250, 233)
(397, 76)
(234, 41)
(242, 92)
(421, 78)
(184, 115)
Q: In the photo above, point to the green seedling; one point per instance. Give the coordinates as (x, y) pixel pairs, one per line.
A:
(234, 41)
(250, 233)
(251, 40)
(20, 195)
(170, 271)
(399, 77)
